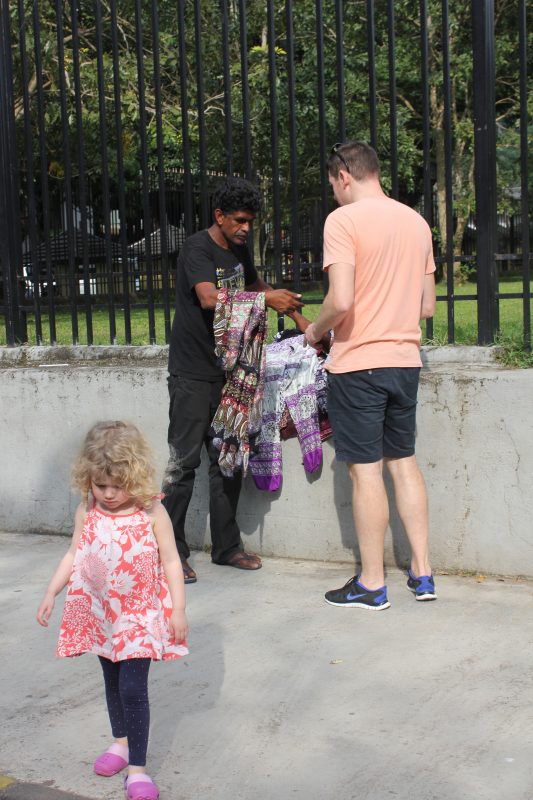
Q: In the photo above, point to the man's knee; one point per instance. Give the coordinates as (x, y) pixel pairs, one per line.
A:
(179, 468)
(401, 466)
(366, 472)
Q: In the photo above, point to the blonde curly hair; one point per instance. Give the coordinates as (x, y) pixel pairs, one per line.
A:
(117, 450)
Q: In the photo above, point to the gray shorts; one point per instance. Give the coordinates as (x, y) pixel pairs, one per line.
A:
(373, 413)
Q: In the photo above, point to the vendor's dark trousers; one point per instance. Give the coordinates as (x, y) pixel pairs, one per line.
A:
(192, 407)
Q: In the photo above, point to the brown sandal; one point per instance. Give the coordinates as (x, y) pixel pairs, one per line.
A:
(189, 575)
(242, 560)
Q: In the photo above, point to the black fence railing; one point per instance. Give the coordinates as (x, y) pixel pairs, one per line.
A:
(118, 118)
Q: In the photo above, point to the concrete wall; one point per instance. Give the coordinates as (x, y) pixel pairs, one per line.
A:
(475, 447)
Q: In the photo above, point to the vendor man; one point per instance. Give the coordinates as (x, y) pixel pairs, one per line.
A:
(210, 260)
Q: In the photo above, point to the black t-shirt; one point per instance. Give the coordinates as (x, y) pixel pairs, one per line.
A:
(192, 340)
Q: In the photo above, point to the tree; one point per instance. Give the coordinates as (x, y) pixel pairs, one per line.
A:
(164, 124)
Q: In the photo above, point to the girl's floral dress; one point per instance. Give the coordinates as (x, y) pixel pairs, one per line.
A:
(118, 603)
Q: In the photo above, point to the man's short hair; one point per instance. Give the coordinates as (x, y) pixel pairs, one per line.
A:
(236, 194)
(358, 158)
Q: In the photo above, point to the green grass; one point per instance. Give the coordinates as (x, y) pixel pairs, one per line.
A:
(465, 328)
(465, 314)
(140, 334)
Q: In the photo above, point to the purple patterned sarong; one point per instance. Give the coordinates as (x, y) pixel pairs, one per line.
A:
(289, 381)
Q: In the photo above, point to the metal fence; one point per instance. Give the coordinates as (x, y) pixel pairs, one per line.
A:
(117, 118)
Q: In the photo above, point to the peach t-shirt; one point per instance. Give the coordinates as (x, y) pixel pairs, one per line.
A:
(390, 246)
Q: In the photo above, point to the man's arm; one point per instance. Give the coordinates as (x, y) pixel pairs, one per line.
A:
(338, 301)
(207, 294)
(302, 323)
(428, 297)
(281, 300)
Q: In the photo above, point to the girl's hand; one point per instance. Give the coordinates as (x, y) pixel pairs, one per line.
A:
(178, 625)
(45, 610)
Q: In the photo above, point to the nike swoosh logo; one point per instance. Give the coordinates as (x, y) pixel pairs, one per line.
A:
(354, 596)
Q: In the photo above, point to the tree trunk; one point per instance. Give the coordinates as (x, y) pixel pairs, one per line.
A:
(462, 209)
(437, 113)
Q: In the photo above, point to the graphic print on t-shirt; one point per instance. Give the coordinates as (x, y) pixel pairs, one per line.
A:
(192, 343)
(231, 278)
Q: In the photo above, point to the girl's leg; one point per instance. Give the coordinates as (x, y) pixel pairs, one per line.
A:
(133, 688)
(111, 672)
(115, 758)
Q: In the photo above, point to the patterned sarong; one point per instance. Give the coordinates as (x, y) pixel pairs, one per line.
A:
(240, 329)
(291, 369)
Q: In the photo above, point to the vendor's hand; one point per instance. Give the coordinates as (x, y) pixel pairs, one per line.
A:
(283, 301)
(311, 335)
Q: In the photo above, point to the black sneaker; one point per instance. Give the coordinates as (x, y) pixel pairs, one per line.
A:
(354, 595)
(422, 587)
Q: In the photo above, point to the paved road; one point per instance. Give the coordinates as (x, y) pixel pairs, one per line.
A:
(282, 695)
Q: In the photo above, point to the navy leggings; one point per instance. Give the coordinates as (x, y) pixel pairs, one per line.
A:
(126, 691)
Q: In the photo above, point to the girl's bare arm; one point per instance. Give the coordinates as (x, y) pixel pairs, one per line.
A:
(171, 562)
(61, 576)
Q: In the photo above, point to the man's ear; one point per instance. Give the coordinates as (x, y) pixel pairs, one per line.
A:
(344, 175)
(219, 216)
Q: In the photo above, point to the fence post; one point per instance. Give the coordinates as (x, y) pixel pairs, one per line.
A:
(485, 168)
(10, 242)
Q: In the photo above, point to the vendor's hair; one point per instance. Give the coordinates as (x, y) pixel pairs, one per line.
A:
(360, 159)
(236, 194)
(116, 450)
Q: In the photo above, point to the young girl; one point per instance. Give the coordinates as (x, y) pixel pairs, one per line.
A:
(126, 598)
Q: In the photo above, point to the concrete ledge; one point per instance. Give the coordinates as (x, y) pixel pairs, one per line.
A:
(124, 354)
(67, 356)
(456, 354)
(475, 448)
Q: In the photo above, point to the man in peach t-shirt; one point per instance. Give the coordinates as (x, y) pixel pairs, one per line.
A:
(379, 258)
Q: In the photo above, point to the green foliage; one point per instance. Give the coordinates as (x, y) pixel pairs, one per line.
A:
(96, 129)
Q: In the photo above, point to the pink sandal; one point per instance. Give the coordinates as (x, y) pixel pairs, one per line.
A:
(140, 787)
(114, 760)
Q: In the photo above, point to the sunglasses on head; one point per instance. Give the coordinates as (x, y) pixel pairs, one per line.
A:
(335, 152)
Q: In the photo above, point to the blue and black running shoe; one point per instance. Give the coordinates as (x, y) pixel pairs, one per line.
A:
(354, 595)
(422, 587)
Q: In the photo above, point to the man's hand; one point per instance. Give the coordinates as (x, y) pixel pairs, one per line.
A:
(283, 301)
(311, 336)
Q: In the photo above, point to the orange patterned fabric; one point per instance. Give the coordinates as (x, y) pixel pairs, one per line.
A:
(118, 603)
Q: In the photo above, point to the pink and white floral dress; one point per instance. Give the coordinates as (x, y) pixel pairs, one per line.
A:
(118, 603)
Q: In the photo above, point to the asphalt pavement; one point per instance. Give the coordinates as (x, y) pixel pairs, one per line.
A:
(283, 696)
